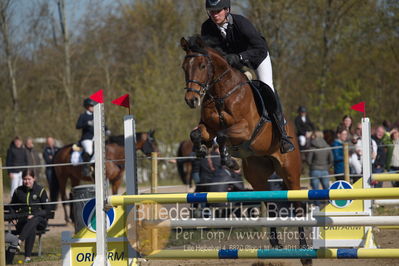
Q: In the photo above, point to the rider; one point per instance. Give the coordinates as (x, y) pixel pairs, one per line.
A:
(244, 45)
(86, 124)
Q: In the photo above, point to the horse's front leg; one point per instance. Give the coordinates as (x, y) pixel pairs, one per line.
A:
(198, 136)
(225, 156)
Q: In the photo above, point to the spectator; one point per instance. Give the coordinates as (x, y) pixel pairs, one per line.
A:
(357, 135)
(395, 155)
(48, 154)
(304, 127)
(32, 155)
(380, 160)
(210, 170)
(319, 161)
(342, 136)
(16, 156)
(12, 247)
(28, 194)
(355, 160)
(347, 124)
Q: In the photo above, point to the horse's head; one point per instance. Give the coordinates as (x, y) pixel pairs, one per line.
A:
(198, 70)
(146, 142)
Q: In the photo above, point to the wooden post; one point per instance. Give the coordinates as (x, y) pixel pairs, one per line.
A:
(346, 162)
(154, 189)
(2, 238)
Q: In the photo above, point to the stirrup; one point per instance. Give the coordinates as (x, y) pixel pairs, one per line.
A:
(286, 145)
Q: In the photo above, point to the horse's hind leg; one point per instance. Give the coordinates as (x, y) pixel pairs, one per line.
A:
(291, 176)
(256, 171)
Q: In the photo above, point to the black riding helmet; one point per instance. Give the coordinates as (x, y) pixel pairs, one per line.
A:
(302, 109)
(88, 102)
(217, 4)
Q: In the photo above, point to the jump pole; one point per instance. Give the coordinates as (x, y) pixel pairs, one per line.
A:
(258, 196)
(322, 253)
(318, 221)
(101, 186)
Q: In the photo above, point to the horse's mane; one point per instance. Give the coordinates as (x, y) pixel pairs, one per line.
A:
(201, 44)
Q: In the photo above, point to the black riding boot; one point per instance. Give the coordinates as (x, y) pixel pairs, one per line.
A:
(278, 118)
(86, 171)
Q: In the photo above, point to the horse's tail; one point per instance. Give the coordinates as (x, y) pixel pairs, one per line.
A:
(180, 164)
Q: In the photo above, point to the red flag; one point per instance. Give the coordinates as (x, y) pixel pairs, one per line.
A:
(360, 107)
(98, 96)
(122, 101)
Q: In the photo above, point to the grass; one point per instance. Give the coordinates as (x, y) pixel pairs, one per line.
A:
(51, 252)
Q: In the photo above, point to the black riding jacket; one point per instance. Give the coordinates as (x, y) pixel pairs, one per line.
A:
(241, 38)
(16, 157)
(37, 194)
(48, 154)
(86, 127)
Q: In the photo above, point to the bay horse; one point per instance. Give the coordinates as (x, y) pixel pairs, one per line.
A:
(114, 165)
(230, 113)
(184, 166)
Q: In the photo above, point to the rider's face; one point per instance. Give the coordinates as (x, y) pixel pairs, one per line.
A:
(218, 16)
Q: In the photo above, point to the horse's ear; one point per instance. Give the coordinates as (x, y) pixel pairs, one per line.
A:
(151, 132)
(184, 44)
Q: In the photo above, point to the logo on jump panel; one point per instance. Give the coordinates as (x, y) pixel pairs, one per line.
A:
(89, 215)
(341, 184)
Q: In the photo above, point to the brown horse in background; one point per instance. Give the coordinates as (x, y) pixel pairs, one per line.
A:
(229, 113)
(184, 166)
(114, 165)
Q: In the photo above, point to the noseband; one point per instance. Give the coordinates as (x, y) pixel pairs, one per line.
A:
(204, 85)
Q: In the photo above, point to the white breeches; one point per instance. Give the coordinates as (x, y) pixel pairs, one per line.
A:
(16, 181)
(87, 145)
(265, 72)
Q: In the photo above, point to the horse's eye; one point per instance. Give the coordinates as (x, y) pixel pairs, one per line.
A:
(202, 66)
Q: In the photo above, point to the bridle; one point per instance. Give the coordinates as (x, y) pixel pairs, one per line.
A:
(219, 101)
(204, 86)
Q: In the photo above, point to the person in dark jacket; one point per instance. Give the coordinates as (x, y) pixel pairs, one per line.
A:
(16, 156)
(48, 154)
(380, 161)
(32, 155)
(211, 170)
(244, 46)
(319, 161)
(86, 124)
(29, 194)
(342, 136)
(303, 126)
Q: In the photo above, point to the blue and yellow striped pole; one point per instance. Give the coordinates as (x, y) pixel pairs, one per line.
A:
(324, 253)
(257, 196)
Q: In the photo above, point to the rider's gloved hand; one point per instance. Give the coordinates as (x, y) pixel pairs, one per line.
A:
(90, 123)
(233, 59)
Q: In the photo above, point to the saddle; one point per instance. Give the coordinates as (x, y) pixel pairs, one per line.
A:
(266, 104)
(264, 98)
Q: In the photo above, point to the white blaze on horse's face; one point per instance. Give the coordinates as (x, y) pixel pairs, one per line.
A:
(196, 73)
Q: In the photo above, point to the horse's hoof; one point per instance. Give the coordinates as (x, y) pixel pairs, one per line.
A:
(306, 262)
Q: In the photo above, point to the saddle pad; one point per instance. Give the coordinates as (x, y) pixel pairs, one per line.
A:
(76, 157)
